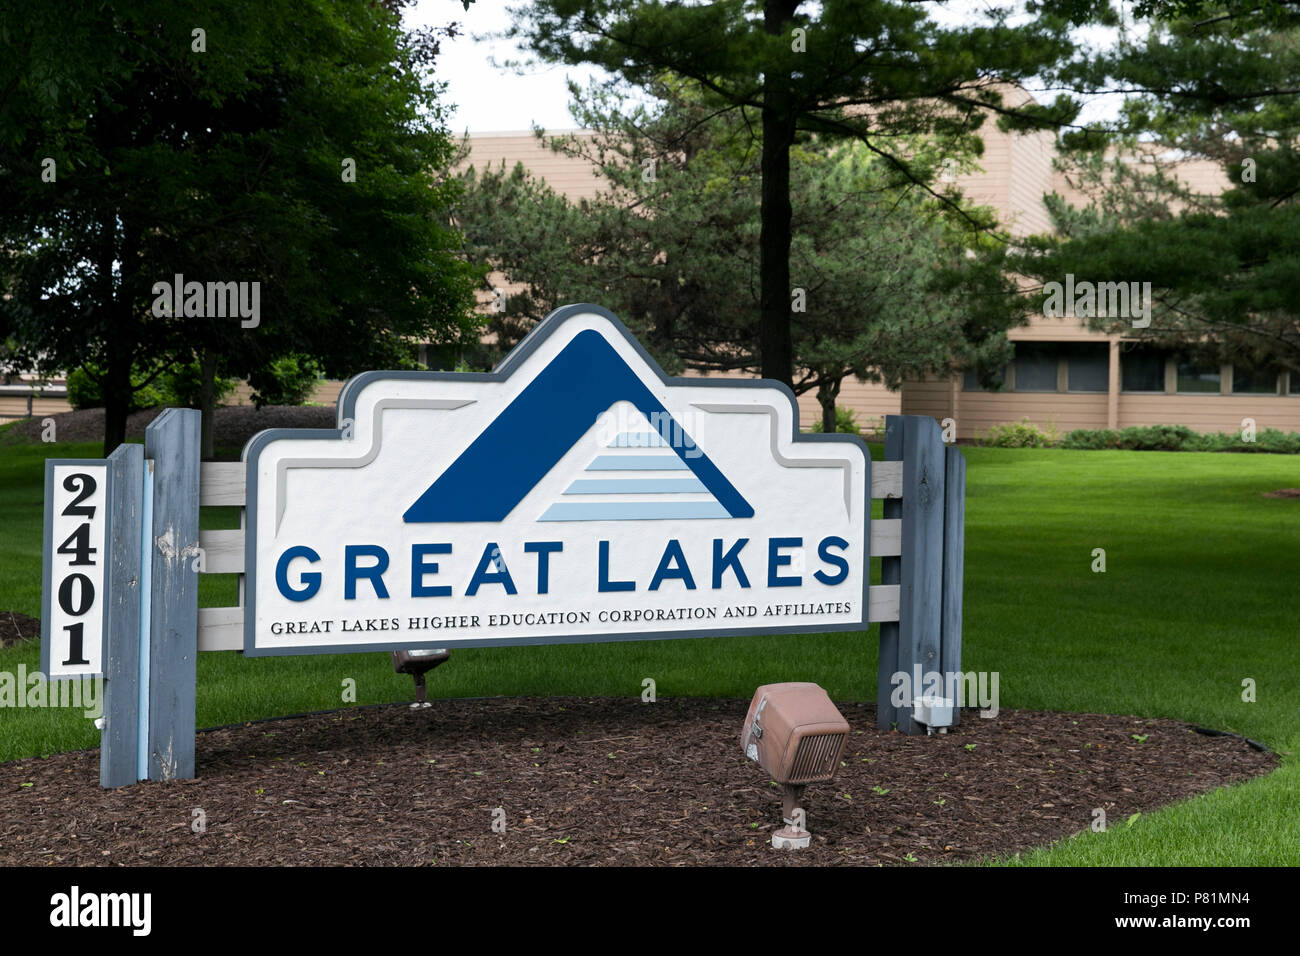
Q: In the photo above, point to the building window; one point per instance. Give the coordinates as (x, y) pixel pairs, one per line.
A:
(1142, 369)
(1053, 367)
(1247, 381)
(1089, 368)
(1036, 367)
(1295, 383)
(1197, 377)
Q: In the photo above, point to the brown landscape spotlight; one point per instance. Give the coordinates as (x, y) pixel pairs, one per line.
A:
(795, 733)
(417, 663)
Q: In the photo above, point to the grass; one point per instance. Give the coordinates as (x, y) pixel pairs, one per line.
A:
(1198, 594)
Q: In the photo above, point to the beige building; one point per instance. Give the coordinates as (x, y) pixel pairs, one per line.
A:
(1066, 376)
(27, 396)
(1063, 376)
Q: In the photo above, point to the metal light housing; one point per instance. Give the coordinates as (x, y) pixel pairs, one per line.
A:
(935, 713)
(417, 663)
(797, 735)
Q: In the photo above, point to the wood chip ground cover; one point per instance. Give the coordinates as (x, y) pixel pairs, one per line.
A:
(232, 425)
(605, 782)
(16, 628)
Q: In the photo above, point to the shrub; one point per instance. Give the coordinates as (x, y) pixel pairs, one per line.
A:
(1269, 440)
(845, 421)
(1182, 438)
(1021, 434)
(183, 386)
(1212, 441)
(1156, 437)
(1091, 439)
(289, 380)
(84, 390)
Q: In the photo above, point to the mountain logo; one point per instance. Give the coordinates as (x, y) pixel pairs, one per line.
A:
(654, 470)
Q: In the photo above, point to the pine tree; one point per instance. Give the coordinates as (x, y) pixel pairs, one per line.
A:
(875, 71)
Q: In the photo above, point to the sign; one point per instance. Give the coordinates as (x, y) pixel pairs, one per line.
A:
(573, 494)
(72, 596)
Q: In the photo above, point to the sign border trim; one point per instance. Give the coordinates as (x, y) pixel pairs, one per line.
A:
(503, 370)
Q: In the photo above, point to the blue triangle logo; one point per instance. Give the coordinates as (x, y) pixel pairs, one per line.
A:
(503, 464)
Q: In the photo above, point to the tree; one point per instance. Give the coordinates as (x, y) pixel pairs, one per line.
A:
(1211, 81)
(876, 71)
(671, 244)
(288, 147)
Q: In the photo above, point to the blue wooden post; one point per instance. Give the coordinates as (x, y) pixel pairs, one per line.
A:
(125, 502)
(886, 713)
(912, 646)
(954, 546)
(920, 594)
(172, 441)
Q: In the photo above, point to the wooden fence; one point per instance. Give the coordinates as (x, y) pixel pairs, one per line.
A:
(155, 627)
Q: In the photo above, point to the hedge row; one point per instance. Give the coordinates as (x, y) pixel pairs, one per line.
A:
(1025, 434)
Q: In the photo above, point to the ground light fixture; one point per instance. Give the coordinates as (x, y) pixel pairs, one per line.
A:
(794, 732)
(935, 713)
(417, 663)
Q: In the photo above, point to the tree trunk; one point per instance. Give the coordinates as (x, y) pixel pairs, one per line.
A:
(827, 392)
(117, 376)
(207, 402)
(117, 398)
(775, 343)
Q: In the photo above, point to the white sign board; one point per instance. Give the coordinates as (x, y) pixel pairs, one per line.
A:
(73, 599)
(574, 494)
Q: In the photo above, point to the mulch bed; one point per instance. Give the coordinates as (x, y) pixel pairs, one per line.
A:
(1283, 493)
(605, 782)
(232, 425)
(15, 627)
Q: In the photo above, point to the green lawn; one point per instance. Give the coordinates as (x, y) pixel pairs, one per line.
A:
(1199, 593)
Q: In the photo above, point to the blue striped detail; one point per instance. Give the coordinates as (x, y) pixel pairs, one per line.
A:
(637, 463)
(634, 486)
(639, 440)
(146, 627)
(633, 511)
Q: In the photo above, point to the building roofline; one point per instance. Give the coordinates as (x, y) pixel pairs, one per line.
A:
(524, 132)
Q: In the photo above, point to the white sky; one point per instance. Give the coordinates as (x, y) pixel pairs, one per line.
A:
(491, 98)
